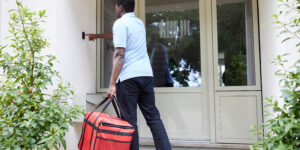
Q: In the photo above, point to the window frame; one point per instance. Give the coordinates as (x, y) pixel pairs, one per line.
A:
(255, 39)
(140, 12)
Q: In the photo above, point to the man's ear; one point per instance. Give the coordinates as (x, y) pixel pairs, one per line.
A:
(122, 8)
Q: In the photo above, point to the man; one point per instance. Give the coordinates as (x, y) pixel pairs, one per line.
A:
(132, 76)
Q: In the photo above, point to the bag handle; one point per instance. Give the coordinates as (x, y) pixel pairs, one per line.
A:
(109, 101)
(101, 103)
(116, 107)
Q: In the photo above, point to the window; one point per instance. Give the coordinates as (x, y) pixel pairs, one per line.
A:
(173, 41)
(108, 18)
(236, 65)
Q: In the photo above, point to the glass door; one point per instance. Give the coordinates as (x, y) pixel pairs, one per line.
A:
(236, 46)
(175, 42)
(236, 70)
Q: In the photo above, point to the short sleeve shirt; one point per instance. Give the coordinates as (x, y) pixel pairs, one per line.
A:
(129, 32)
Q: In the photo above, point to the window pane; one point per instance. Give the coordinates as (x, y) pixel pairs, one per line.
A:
(173, 41)
(236, 65)
(107, 51)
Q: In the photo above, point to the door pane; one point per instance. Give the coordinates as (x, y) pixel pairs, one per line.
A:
(236, 65)
(173, 41)
(107, 50)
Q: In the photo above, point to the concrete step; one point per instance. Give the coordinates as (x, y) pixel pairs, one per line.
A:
(147, 144)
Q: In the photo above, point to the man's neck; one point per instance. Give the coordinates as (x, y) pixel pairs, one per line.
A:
(122, 13)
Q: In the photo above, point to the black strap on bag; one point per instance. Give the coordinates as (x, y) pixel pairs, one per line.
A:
(117, 107)
(113, 101)
(101, 103)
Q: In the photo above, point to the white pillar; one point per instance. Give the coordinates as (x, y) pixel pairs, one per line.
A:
(270, 46)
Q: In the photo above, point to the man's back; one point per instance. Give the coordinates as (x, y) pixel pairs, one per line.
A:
(135, 85)
(136, 61)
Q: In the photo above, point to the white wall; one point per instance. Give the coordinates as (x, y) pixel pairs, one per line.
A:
(1, 71)
(66, 20)
(270, 47)
(0, 18)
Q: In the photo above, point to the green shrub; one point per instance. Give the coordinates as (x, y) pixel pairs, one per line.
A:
(34, 114)
(283, 129)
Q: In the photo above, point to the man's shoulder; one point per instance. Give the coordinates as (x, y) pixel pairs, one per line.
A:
(118, 23)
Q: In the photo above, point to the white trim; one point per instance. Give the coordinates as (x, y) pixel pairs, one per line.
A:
(166, 7)
(170, 90)
(257, 85)
(249, 43)
(229, 1)
(207, 11)
(99, 65)
(256, 43)
(101, 50)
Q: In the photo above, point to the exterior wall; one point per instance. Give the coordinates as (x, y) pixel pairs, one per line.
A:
(66, 20)
(270, 46)
(0, 19)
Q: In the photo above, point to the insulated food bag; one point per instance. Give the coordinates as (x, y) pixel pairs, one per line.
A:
(101, 131)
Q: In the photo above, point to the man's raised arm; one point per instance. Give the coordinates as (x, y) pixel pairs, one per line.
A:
(93, 37)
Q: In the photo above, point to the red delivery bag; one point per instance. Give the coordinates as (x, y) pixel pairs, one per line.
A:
(101, 131)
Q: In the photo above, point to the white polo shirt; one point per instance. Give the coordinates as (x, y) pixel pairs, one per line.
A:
(129, 32)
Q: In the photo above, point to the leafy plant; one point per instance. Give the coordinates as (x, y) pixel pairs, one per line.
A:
(34, 114)
(283, 129)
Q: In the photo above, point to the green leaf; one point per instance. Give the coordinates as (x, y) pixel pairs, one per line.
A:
(63, 142)
(276, 103)
(42, 13)
(286, 39)
(275, 16)
(19, 3)
(287, 127)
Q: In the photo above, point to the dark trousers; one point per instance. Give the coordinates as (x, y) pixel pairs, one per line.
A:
(139, 91)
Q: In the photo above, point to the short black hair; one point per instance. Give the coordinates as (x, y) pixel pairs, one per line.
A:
(128, 5)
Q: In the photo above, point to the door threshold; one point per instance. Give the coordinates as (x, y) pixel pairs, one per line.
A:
(197, 144)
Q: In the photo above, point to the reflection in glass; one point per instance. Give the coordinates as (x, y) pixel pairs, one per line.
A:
(235, 43)
(173, 40)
